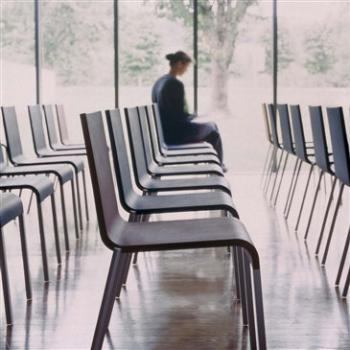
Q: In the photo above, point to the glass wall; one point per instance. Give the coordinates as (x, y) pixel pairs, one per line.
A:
(235, 75)
(78, 57)
(148, 30)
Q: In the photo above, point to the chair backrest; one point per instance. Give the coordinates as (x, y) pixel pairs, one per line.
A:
(2, 158)
(62, 124)
(138, 151)
(51, 126)
(298, 132)
(158, 123)
(286, 132)
(273, 124)
(119, 153)
(266, 123)
(101, 175)
(319, 138)
(340, 144)
(36, 124)
(152, 128)
(13, 137)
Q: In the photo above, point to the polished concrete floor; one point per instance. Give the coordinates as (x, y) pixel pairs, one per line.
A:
(183, 299)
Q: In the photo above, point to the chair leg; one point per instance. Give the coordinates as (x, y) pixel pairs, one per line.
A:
(291, 184)
(107, 301)
(313, 205)
(268, 169)
(276, 175)
(134, 260)
(259, 309)
(79, 201)
(127, 268)
(346, 285)
(42, 242)
(75, 210)
(250, 302)
(325, 217)
(281, 179)
(64, 217)
(25, 258)
(343, 258)
(265, 164)
(293, 191)
(30, 201)
(331, 230)
(304, 198)
(271, 170)
(5, 280)
(85, 197)
(55, 229)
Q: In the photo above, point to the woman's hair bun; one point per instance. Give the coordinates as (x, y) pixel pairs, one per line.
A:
(178, 56)
(170, 56)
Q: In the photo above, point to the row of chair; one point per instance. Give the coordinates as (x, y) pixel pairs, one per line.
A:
(20, 172)
(315, 155)
(140, 161)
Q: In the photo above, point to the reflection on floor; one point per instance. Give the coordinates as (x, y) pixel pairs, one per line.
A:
(182, 300)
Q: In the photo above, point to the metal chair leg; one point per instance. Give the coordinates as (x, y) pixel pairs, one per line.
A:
(346, 285)
(75, 210)
(250, 302)
(281, 179)
(271, 170)
(113, 279)
(25, 258)
(343, 258)
(42, 242)
(331, 230)
(5, 280)
(79, 201)
(268, 169)
(265, 164)
(85, 197)
(304, 197)
(291, 184)
(127, 268)
(64, 217)
(55, 229)
(325, 217)
(313, 205)
(276, 175)
(293, 191)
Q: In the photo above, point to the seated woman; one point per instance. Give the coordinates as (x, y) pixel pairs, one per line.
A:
(178, 125)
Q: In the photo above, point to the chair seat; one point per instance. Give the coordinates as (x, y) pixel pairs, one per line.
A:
(186, 169)
(194, 145)
(182, 234)
(51, 153)
(74, 145)
(209, 183)
(74, 150)
(188, 159)
(11, 207)
(64, 172)
(180, 203)
(77, 162)
(41, 185)
(189, 151)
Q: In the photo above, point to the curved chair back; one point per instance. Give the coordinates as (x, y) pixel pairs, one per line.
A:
(152, 127)
(2, 159)
(340, 144)
(319, 138)
(287, 141)
(158, 123)
(62, 124)
(36, 124)
(119, 153)
(273, 124)
(13, 136)
(298, 132)
(51, 126)
(101, 175)
(266, 123)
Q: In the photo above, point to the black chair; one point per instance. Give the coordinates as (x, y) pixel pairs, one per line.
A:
(53, 138)
(204, 147)
(268, 136)
(323, 162)
(341, 156)
(11, 208)
(143, 180)
(43, 188)
(138, 144)
(63, 130)
(173, 153)
(124, 238)
(17, 157)
(173, 159)
(64, 174)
